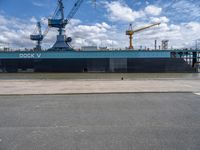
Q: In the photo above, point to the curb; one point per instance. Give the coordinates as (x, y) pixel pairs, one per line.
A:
(98, 93)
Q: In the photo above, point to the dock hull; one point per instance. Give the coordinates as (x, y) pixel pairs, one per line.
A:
(129, 65)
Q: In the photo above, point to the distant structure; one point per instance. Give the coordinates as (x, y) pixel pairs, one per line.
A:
(159, 47)
(4, 46)
(103, 48)
(155, 44)
(165, 44)
(197, 44)
(89, 48)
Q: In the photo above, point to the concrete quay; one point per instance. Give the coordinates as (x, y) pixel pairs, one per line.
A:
(38, 87)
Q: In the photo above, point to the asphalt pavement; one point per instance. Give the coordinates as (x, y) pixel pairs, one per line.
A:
(140, 121)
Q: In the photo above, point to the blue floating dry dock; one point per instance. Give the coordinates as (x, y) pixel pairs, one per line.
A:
(101, 61)
(62, 58)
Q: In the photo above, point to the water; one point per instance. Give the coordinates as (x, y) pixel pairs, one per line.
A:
(97, 76)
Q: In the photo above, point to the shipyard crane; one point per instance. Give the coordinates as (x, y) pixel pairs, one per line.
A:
(59, 21)
(38, 36)
(131, 32)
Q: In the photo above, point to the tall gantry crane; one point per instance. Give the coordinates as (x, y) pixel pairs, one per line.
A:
(58, 21)
(131, 32)
(38, 36)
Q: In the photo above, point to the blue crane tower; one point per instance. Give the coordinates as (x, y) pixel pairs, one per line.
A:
(37, 36)
(58, 21)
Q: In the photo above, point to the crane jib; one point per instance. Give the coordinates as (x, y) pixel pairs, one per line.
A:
(74, 9)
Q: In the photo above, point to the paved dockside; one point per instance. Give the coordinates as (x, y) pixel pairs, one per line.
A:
(100, 114)
(23, 87)
(150, 121)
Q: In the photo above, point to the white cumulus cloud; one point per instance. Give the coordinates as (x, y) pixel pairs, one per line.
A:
(16, 32)
(193, 26)
(118, 11)
(153, 10)
(162, 19)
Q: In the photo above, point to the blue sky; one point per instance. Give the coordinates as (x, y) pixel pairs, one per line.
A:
(176, 10)
(105, 23)
(25, 9)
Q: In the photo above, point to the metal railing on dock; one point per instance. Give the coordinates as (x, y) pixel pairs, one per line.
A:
(191, 57)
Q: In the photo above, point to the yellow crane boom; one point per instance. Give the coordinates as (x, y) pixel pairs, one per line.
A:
(130, 32)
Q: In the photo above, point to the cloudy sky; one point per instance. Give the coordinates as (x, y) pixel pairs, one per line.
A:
(104, 23)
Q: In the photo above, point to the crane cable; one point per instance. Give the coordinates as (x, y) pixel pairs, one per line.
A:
(46, 31)
(35, 30)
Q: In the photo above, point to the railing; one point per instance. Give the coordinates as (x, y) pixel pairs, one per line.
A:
(191, 57)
